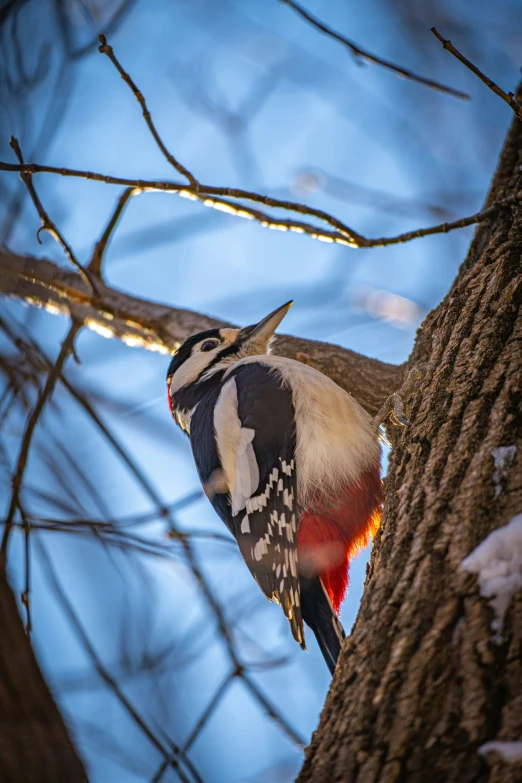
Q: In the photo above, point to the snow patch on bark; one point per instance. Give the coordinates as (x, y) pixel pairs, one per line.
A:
(503, 457)
(509, 752)
(497, 561)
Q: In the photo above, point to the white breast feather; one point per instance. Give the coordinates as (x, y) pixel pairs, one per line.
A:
(235, 448)
(335, 443)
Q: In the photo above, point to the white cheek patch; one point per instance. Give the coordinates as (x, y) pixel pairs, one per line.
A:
(191, 369)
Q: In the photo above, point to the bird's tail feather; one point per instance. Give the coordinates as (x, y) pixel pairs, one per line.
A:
(319, 614)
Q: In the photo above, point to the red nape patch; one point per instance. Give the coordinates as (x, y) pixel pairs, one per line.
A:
(329, 537)
(169, 381)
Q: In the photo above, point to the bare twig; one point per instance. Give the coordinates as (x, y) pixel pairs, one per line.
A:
(211, 196)
(211, 706)
(508, 97)
(95, 264)
(271, 710)
(47, 223)
(209, 709)
(365, 55)
(32, 421)
(104, 48)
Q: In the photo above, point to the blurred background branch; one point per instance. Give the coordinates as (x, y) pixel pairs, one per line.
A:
(362, 54)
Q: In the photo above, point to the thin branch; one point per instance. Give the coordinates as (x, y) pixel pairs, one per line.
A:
(136, 520)
(109, 680)
(211, 706)
(209, 709)
(364, 54)
(109, 28)
(508, 97)
(95, 264)
(32, 421)
(210, 196)
(271, 711)
(47, 223)
(108, 50)
(239, 668)
(444, 228)
(157, 327)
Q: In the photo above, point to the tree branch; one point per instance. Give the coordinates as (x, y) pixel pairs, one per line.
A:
(508, 97)
(372, 58)
(157, 327)
(95, 264)
(211, 196)
(109, 51)
(47, 223)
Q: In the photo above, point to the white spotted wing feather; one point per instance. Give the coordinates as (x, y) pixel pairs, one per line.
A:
(255, 434)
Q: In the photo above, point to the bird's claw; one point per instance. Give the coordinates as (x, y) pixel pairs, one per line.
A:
(394, 405)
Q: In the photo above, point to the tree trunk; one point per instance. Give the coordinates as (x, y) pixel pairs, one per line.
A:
(34, 744)
(421, 684)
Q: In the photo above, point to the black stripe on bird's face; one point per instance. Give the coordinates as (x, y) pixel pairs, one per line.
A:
(198, 366)
(185, 350)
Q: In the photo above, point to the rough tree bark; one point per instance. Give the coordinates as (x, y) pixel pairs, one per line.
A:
(420, 684)
(34, 743)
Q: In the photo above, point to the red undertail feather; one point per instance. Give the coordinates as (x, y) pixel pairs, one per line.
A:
(330, 536)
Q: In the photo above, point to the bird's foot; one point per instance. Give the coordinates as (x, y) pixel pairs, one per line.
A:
(394, 405)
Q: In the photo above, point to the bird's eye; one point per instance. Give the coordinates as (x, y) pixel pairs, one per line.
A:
(208, 345)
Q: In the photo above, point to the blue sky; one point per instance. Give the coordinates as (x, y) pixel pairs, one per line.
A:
(385, 155)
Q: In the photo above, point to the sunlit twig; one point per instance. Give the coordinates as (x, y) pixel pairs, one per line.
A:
(219, 198)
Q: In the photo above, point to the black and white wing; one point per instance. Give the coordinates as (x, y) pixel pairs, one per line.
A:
(244, 447)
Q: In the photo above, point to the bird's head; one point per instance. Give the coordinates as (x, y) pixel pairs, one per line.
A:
(206, 353)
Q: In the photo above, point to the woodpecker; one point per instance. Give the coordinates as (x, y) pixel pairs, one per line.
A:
(290, 462)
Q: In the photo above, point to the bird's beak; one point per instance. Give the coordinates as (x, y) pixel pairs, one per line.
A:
(263, 331)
